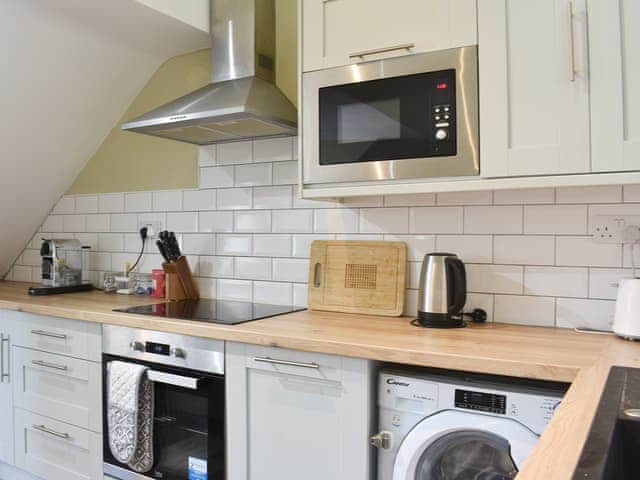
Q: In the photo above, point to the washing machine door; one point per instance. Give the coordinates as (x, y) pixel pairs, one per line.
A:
(455, 445)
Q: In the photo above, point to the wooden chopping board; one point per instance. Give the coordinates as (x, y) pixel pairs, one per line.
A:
(358, 276)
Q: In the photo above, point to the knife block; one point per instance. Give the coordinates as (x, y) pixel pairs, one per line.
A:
(180, 284)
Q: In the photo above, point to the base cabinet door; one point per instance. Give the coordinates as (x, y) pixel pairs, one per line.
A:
(296, 415)
(55, 450)
(6, 392)
(534, 88)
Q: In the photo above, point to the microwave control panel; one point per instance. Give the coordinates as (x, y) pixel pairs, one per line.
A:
(442, 124)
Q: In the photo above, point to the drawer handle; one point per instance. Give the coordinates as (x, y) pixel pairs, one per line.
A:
(64, 368)
(404, 46)
(288, 363)
(48, 431)
(3, 375)
(44, 333)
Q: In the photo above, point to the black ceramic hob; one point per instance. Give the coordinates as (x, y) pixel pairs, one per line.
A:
(227, 312)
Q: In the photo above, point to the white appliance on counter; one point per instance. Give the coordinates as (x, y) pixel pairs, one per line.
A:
(459, 425)
(626, 323)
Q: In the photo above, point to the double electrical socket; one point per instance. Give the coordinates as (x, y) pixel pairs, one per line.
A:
(153, 228)
(615, 228)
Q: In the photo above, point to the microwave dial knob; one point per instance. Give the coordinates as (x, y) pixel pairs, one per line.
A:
(137, 346)
(178, 353)
(441, 134)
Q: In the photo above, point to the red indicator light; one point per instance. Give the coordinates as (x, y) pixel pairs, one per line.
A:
(441, 86)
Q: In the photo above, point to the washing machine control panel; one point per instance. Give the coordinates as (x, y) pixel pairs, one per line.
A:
(480, 401)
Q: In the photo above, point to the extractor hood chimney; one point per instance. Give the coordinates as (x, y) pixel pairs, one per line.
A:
(242, 101)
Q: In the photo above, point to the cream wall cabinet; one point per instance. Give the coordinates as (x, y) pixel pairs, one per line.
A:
(559, 87)
(297, 415)
(614, 46)
(534, 92)
(6, 390)
(336, 32)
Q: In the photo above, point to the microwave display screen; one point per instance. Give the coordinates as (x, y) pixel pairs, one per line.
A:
(369, 122)
(405, 117)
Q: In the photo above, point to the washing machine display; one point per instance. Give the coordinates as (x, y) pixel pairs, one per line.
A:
(439, 428)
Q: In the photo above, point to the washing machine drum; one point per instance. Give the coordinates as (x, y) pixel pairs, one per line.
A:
(454, 445)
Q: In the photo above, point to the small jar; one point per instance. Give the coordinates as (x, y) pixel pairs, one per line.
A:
(158, 283)
(142, 283)
(124, 284)
(109, 282)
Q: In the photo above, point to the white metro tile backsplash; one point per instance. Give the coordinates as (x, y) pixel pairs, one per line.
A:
(247, 234)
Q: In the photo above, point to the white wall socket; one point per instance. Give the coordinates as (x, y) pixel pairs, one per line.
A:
(615, 228)
(153, 228)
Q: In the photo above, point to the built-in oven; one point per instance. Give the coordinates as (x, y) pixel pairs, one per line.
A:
(189, 402)
(405, 118)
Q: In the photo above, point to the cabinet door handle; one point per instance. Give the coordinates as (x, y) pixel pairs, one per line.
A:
(40, 363)
(44, 333)
(3, 375)
(572, 44)
(288, 363)
(48, 431)
(365, 53)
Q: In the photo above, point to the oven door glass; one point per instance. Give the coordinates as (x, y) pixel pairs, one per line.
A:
(405, 117)
(188, 425)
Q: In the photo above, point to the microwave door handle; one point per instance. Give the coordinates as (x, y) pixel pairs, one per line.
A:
(171, 379)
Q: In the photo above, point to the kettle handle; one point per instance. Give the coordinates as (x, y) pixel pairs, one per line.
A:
(455, 268)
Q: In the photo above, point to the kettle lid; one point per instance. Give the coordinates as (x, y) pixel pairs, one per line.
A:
(440, 254)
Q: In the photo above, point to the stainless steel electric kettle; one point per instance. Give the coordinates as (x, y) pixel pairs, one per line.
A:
(443, 291)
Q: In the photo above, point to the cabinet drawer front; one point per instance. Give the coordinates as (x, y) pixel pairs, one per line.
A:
(56, 451)
(293, 362)
(59, 387)
(58, 335)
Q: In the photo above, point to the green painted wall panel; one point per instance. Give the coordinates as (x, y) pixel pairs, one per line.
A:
(129, 161)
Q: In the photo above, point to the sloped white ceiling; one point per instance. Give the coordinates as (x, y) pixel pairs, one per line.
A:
(68, 71)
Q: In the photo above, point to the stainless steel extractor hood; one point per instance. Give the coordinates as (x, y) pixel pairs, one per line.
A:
(242, 101)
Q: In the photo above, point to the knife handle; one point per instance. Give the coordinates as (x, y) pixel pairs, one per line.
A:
(162, 250)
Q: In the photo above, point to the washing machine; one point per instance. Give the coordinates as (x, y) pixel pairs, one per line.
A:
(455, 426)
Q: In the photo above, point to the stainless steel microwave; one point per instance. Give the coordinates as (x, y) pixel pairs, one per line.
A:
(405, 118)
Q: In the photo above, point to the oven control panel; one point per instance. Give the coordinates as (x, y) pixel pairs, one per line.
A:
(155, 348)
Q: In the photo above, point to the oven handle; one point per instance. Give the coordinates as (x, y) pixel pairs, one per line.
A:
(171, 379)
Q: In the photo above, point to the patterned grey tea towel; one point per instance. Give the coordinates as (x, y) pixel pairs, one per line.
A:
(142, 460)
(124, 382)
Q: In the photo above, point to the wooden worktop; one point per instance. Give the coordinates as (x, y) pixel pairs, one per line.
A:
(532, 352)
